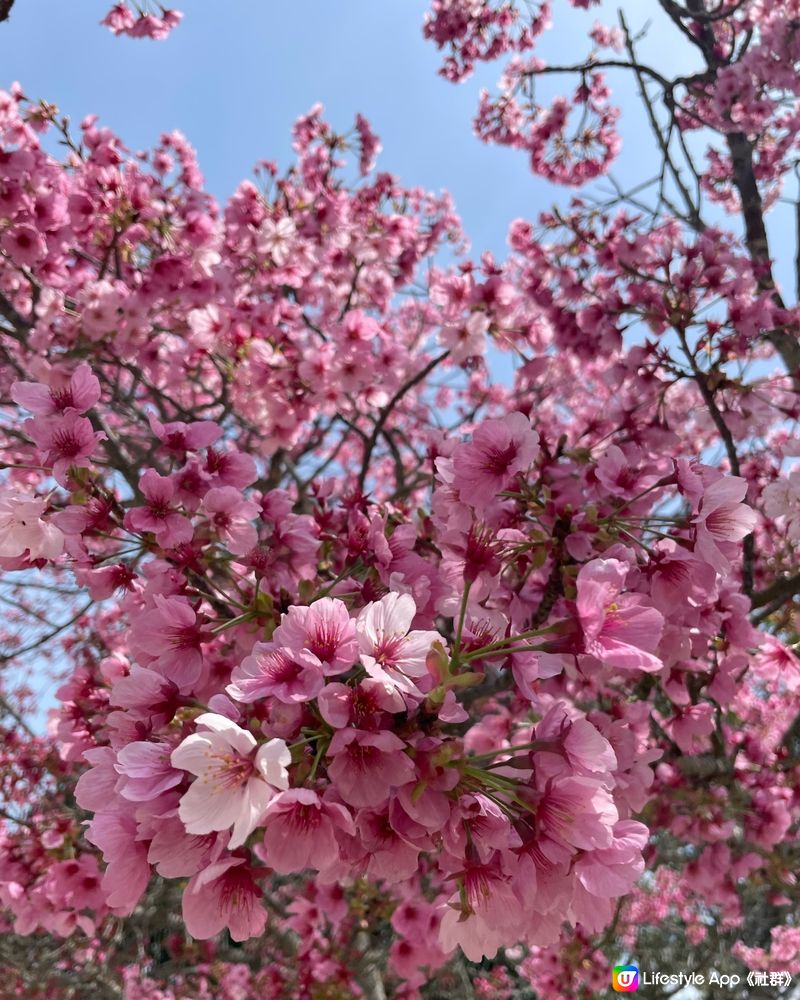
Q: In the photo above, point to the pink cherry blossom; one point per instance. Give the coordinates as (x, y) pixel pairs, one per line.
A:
(224, 895)
(618, 629)
(611, 871)
(325, 629)
(159, 516)
(782, 499)
(170, 634)
(234, 784)
(578, 813)
(366, 766)
(478, 921)
(177, 437)
(64, 441)
(362, 705)
(300, 831)
(721, 519)
(79, 393)
(691, 727)
(232, 516)
(127, 871)
(278, 671)
(146, 770)
(499, 449)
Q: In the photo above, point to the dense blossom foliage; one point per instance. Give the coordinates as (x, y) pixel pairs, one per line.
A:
(380, 664)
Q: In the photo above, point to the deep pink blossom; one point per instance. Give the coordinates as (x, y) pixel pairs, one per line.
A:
(277, 671)
(80, 393)
(64, 441)
(366, 766)
(498, 450)
(300, 831)
(224, 895)
(159, 515)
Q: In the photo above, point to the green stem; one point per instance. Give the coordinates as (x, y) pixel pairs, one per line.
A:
(317, 758)
(462, 614)
(347, 571)
(238, 620)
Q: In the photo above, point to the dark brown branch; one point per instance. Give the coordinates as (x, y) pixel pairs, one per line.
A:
(692, 209)
(5, 658)
(785, 341)
(779, 591)
(387, 410)
(7, 310)
(700, 377)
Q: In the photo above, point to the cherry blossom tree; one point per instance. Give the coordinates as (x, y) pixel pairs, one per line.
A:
(382, 675)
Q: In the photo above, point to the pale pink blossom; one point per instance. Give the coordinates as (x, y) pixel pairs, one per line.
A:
(146, 770)
(235, 781)
(577, 812)
(680, 578)
(388, 650)
(232, 517)
(274, 238)
(782, 499)
(23, 529)
(612, 871)
(466, 339)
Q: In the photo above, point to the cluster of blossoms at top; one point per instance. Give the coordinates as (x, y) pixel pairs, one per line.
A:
(138, 21)
(750, 87)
